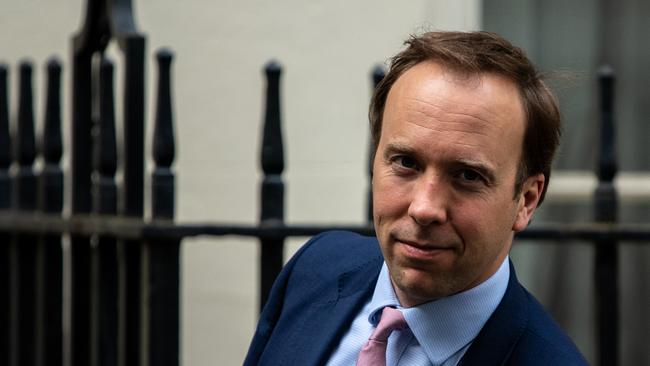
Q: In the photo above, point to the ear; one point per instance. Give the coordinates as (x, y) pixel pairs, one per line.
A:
(527, 201)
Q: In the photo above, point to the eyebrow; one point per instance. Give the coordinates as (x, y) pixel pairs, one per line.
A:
(397, 147)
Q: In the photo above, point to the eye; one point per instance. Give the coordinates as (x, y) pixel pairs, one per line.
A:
(470, 175)
(405, 162)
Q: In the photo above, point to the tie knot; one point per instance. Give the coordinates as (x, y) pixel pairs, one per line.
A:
(391, 319)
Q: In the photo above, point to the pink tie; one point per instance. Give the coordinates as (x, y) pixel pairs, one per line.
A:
(373, 352)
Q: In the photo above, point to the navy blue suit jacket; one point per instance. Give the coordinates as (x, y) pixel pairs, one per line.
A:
(328, 281)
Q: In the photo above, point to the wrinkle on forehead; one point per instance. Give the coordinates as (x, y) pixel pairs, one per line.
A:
(439, 106)
(441, 125)
(437, 119)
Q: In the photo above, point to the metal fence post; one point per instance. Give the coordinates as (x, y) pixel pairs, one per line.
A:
(24, 200)
(84, 44)
(106, 286)
(5, 204)
(272, 189)
(164, 266)
(132, 44)
(606, 211)
(50, 289)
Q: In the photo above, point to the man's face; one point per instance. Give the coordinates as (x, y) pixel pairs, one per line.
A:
(445, 210)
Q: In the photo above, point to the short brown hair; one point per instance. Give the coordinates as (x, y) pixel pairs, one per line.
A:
(474, 53)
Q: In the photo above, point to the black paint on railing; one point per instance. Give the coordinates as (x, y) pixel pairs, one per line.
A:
(107, 20)
(24, 197)
(5, 139)
(272, 188)
(84, 44)
(131, 228)
(24, 143)
(132, 45)
(5, 204)
(105, 145)
(50, 193)
(163, 254)
(606, 210)
(105, 292)
(164, 147)
(376, 76)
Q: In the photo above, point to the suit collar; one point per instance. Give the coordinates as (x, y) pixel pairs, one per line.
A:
(500, 334)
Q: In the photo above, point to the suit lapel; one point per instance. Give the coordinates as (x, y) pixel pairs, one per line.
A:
(328, 320)
(500, 334)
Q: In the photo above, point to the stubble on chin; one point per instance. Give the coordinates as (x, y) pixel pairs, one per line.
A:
(412, 292)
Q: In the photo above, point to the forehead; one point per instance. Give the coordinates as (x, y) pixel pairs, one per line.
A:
(443, 88)
(485, 110)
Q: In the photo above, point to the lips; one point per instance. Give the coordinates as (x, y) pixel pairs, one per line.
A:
(422, 251)
(422, 246)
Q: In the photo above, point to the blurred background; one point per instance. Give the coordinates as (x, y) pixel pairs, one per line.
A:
(328, 49)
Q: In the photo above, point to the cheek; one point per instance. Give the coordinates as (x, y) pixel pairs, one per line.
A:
(388, 196)
(469, 222)
(484, 221)
(477, 218)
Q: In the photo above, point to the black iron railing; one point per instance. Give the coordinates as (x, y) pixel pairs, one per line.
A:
(124, 270)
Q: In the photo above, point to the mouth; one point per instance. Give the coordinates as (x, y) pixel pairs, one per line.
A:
(422, 251)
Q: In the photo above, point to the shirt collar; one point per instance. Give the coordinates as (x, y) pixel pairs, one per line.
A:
(444, 326)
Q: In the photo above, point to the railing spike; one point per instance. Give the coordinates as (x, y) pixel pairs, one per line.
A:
(105, 148)
(5, 138)
(607, 164)
(162, 178)
(25, 145)
(377, 75)
(163, 137)
(52, 147)
(272, 145)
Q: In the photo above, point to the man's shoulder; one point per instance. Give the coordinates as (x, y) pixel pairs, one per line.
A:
(330, 265)
(543, 342)
(318, 292)
(342, 249)
(319, 266)
(522, 332)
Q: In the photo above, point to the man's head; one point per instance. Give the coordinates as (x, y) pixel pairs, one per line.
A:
(454, 175)
(472, 53)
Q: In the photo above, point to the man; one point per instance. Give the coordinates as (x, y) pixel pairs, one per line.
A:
(464, 132)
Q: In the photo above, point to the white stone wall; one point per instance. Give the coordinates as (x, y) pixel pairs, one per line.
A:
(327, 48)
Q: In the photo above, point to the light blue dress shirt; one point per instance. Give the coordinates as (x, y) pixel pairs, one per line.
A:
(439, 332)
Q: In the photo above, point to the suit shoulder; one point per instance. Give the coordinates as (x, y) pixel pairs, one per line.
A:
(320, 263)
(333, 271)
(538, 349)
(543, 342)
(338, 247)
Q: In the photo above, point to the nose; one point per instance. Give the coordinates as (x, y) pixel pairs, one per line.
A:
(428, 205)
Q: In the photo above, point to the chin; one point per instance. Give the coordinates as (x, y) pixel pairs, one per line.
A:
(419, 287)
